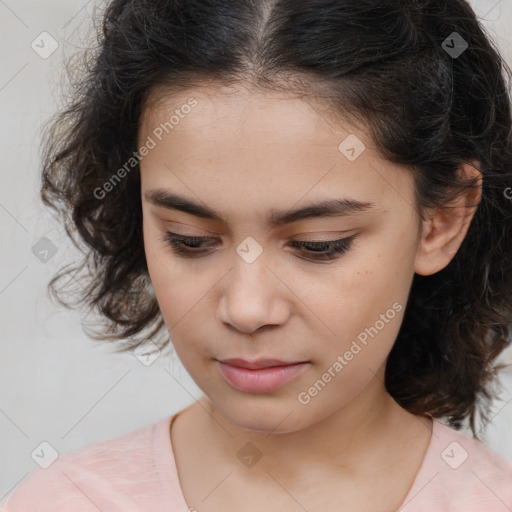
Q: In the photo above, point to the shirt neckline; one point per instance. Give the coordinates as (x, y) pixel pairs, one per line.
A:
(419, 480)
(163, 456)
(165, 462)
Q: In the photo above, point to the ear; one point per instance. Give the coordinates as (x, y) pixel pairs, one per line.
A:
(444, 229)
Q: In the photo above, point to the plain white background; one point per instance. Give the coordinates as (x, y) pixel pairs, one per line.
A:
(57, 385)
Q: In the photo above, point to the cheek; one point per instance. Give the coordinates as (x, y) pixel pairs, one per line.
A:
(183, 301)
(363, 304)
(183, 292)
(355, 296)
(168, 284)
(366, 322)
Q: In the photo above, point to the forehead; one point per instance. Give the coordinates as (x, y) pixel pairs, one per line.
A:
(260, 147)
(242, 108)
(246, 127)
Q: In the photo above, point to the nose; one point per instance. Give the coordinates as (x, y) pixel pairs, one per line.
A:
(253, 296)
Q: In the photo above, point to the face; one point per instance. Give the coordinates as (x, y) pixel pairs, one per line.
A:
(240, 278)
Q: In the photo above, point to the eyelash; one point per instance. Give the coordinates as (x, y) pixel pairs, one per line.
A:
(338, 246)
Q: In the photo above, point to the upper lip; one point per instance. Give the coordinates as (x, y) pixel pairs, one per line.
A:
(260, 363)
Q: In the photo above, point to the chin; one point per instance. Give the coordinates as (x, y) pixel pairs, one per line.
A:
(277, 419)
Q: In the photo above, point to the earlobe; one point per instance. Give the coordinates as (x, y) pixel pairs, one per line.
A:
(444, 229)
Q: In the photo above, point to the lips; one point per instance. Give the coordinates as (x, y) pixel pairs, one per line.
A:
(256, 365)
(261, 376)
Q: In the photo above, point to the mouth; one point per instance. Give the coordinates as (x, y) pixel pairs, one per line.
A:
(261, 376)
(258, 364)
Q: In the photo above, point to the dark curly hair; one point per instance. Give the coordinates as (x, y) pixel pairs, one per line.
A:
(394, 67)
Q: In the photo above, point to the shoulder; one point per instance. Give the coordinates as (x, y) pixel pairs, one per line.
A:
(113, 472)
(460, 473)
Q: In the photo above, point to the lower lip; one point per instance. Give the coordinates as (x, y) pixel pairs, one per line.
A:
(263, 380)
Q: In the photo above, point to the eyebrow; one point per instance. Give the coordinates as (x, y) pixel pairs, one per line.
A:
(325, 208)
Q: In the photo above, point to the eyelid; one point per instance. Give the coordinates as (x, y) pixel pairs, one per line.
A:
(171, 225)
(330, 235)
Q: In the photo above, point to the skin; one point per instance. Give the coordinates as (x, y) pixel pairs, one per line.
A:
(245, 153)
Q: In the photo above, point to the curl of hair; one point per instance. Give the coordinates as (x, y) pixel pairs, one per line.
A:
(381, 66)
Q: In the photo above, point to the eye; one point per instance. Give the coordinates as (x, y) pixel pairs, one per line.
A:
(192, 246)
(325, 250)
(186, 244)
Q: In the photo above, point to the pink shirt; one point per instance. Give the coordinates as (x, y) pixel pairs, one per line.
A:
(136, 472)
